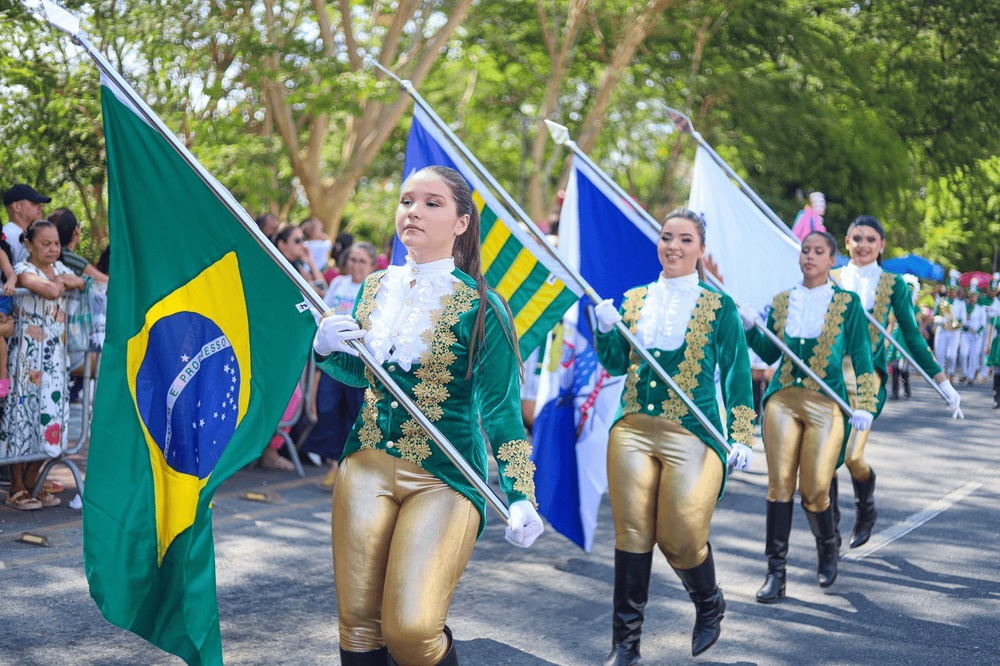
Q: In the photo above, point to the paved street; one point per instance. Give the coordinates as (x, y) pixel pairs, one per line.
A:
(926, 590)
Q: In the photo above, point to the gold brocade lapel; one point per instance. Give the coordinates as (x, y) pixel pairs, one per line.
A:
(880, 309)
(699, 329)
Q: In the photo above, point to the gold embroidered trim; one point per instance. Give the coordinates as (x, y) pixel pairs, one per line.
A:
(779, 312)
(880, 310)
(517, 456)
(369, 434)
(434, 373)
(742, 430)
(834, 321)
(867, 392)
(696, 339)
(367, 303)
(632, 306)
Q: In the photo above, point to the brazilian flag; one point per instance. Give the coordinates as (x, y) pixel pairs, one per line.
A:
(522, 270)
(206, 338)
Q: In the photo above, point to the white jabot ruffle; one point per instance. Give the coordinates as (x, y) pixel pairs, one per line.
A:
(665, 314)
(807, 310)
(863, 281)
(402, 313)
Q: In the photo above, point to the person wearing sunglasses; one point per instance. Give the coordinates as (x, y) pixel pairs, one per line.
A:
(881, 293)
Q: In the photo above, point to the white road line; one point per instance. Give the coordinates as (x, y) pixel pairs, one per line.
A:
(899, 530)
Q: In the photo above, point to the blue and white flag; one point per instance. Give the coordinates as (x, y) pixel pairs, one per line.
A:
(755, 259)
(614, 249)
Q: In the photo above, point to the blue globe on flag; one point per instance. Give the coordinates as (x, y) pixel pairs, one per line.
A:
(187, 391)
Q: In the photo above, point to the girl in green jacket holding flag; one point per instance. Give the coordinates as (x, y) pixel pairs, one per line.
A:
(405, 520)
(881, 293)
(665, 472)
(805, 432)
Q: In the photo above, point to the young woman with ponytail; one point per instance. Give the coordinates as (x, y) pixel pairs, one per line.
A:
(881, 293)
(405, 520)
(665, 472)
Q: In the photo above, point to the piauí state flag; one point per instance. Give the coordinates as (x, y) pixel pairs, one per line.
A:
(206, 338)
(517, 266)
(602, 236)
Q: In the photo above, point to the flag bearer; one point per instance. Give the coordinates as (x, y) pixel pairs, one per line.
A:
(805, 431)
(665, 472)
(881, 292)
(405, 520)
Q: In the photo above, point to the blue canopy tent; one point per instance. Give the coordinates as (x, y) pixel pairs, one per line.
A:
(841, 261)
(914, 264)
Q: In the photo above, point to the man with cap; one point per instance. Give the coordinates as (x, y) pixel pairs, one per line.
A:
(810, 218)
(24, 206)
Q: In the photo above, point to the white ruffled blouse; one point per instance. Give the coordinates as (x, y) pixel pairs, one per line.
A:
(666, 312)
(807, 310)
(863, 281)
(403, 312)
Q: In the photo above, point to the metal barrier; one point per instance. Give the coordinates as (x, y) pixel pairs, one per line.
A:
(30, 309)
(307, 382)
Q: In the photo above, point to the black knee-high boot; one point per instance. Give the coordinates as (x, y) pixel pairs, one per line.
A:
(905, 374)
(450, 657)
(835, 503)
(631, 592)
(821, 524)
(864, 494)
(894, 367)
(779, 526)
(709, 603)
(996, 388)
(379, 657)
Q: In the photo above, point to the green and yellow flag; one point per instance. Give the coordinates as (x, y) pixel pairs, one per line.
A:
(517, 266)
(206, 338)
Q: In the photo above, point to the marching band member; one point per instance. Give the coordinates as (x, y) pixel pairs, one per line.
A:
(665, 472)
(899, 367)
(974, 320)
(405, 520)
(947, 331)
(881, 292)
(805, 432)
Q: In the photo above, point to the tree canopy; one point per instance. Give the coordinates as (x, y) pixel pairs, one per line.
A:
(890, 108)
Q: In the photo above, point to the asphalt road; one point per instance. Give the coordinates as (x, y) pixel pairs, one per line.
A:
(926, 590)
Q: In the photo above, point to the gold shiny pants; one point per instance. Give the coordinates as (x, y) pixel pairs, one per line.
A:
(664, 483)
(401, 540)
(855, 456)
(803, 432)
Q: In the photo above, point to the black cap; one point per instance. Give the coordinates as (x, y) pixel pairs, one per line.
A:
(22, 191)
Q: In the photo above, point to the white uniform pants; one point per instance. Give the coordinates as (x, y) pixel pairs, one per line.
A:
(946, 350)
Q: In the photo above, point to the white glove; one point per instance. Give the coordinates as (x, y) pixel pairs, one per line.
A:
(525, 525)
(862, 420)
(333, 334)
(607, 315)
(748, 315)
(954, 399)
(740, 457)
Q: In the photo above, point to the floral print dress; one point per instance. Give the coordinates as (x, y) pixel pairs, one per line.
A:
(36, 413)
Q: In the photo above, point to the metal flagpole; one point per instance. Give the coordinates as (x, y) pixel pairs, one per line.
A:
(560, 134)
(683, 123)
(67, 22)
(540, 237)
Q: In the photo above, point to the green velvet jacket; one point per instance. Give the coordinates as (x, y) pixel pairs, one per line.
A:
(844, 334)
(714, 338)
(457, 406)
(993, 359)
(893, 295)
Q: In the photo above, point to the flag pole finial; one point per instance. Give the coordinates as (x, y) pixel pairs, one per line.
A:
(60, 18)
(559, 133)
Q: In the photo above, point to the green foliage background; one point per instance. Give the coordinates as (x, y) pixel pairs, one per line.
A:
(890, 108)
